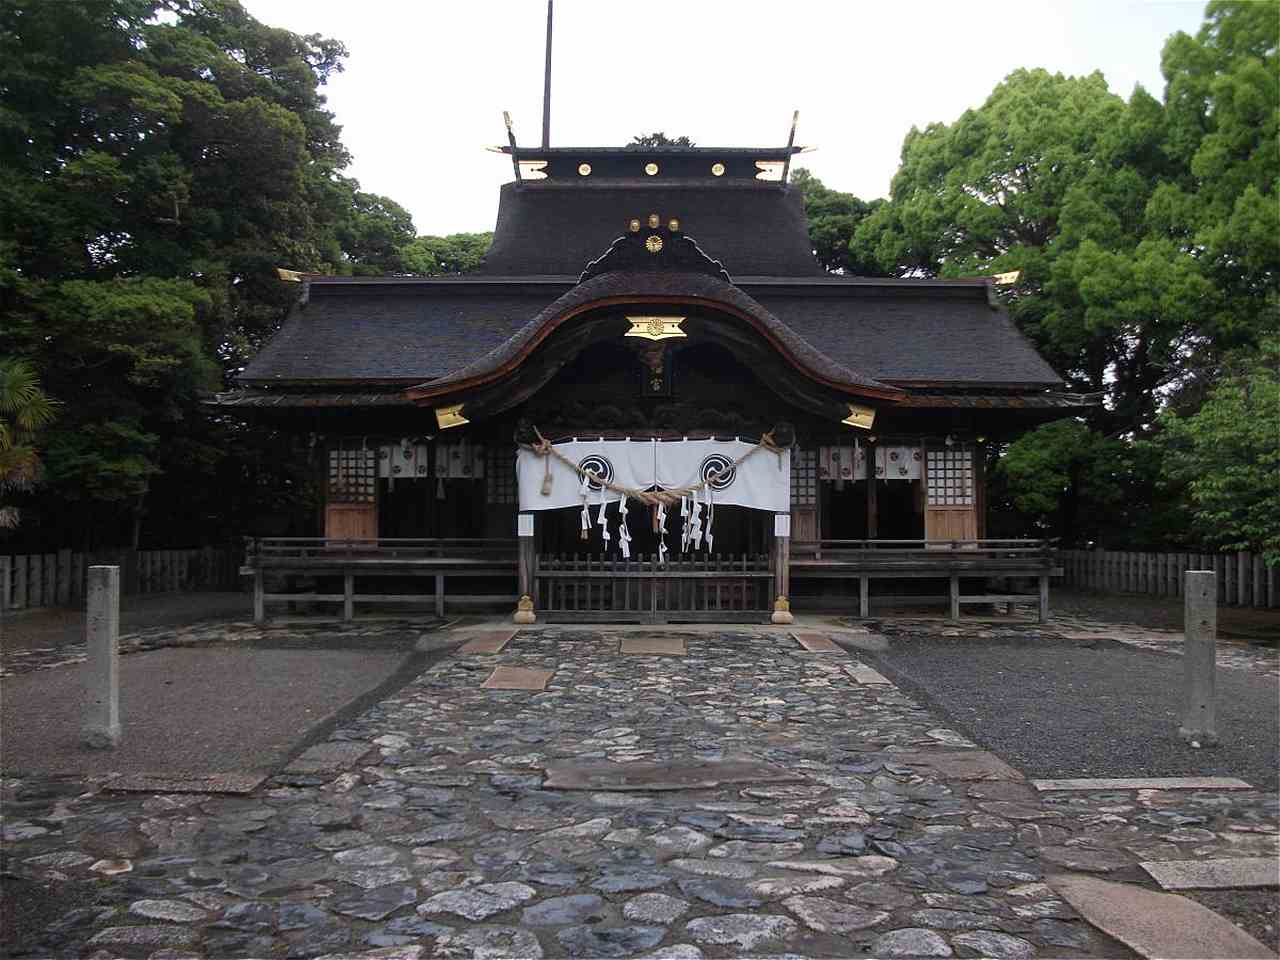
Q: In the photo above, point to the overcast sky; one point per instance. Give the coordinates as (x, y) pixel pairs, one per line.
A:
(426, 82)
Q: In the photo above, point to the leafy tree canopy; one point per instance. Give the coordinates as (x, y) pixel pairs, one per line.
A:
(659, 139)
(159, 159)
(455, 253)
(1227, 455)
(833, 218)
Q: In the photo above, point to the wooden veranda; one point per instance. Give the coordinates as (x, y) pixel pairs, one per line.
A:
(591, 588)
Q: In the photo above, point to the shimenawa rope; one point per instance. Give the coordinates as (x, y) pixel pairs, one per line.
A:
(545, 448)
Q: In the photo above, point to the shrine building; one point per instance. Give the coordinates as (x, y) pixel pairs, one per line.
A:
(650, 404)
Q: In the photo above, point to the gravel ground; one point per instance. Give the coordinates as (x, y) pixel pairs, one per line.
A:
(1166, 613)
(59, 626)
(1257, 911)
(1063, 708)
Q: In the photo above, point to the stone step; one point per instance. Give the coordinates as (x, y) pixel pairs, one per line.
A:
(1142, 783)
(1221, 874)
(1162, 925)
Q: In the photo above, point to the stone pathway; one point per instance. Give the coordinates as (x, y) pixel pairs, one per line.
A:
(898, 838)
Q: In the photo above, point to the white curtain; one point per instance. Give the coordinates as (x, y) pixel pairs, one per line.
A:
(762, 481)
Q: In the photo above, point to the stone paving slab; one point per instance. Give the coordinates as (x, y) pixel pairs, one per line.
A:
(1162, 925)
(817, 643)
(970, 765)
(861, 673)
(1142, 783)
(242, 783)
(660, 646)
(1227, 874)
(662, 776)
(331, 757)
(489, 641)
(517, 678)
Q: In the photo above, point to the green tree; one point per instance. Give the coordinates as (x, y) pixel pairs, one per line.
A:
(833, 218)
(659, 139)
(1227, 455)
(159, 159)
(454, 253)
(1146, 235)
(25, 409)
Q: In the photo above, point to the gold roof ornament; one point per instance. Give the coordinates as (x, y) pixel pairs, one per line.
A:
(654, 220)
(717, 169)
(860, 417)
(655, 328)
(651, 169)
(289, 276)
(653, 243)
(451, 416)
(673, 225)
(634, 225)
(1005, 279)
(533, 169)
(584, 169)
(769, 170)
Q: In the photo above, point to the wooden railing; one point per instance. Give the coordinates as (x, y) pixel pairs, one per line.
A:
(275, 550)
(316, 560)
(1244, 580)
(716, 589)
(957, 561)
(923, 551)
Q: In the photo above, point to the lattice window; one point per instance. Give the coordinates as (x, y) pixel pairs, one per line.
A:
(950, 477)
(500, 474)
(353, 475)
(804, 477)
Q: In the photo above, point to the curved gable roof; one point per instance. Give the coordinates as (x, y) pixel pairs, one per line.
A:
(650, 286)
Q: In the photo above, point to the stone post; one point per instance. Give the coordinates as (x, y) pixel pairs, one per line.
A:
(1200, 726)
(102, 668)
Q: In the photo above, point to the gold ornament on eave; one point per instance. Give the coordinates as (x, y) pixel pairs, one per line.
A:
(655, 328)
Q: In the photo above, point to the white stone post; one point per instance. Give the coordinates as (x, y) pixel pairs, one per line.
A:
(102, 668)
(1200, 614)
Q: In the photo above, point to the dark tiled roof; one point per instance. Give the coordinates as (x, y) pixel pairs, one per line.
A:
(283, 398)
(905, 335)
(546, 227)
(895, 331)
(661, 283)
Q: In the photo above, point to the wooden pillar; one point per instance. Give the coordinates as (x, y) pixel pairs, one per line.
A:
(5, 567)
(1242, 578)
(954, 596)
(526, 559)
(348, 596)
(782, 568)
(873, 509)
(864, 597)
(1044, 598)
(440, 595)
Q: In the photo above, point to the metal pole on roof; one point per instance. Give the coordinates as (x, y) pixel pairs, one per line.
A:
(546, 86)
(511, 139)
(791, 140)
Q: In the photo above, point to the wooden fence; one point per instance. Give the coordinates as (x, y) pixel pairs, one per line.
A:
(58, 579)
(1243, 579)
